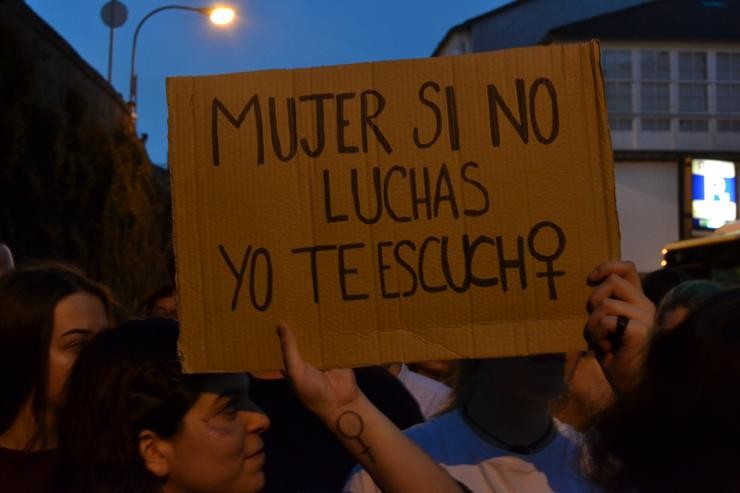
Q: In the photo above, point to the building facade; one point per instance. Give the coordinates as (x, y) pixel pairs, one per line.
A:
(672, 77)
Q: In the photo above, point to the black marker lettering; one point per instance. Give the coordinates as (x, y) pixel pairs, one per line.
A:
(265, 255)
(437, 115)
(406, 266)
(238, 274)
(516, 263)
(470, 249)
(320, 124)
(495, 100)
(343, 272)
(367, 120)
(424, 199)
(314, 271)
(387, 194)
(422, 253)
(343, 148)
(550, 273)
(443, 179)
(277, 147)
(555, 122)
(452, 118)
(330, 218)
(382, 267)
(465, 284)
(217, 106)
(378, 197)
(479, 186)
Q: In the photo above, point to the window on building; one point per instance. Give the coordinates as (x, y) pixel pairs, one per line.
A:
(656, 125)
(692, 90)
(728, 126)
(460, 45)
(655, 88)
(693, 125)
(672, 90)
(617, 66)
(728, 91)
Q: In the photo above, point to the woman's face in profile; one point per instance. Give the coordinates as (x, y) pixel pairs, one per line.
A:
(77, 318)
(218, 447)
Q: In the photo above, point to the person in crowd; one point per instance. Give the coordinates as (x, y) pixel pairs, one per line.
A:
(133, 422)
(6, 259)
(658, 282)
(162, 302)
(431, 395)
(499, 435)
(588, 391)
(444, 371)
(676, 304)
(619, 290)
(47, 314)
(324, 465)
(674, 425)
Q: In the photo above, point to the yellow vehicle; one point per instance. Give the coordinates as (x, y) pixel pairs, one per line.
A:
(715, 257)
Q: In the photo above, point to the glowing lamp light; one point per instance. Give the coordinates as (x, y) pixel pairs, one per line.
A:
(222, 16)
(218, 15)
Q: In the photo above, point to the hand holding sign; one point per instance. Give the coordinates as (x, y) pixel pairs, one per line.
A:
(325, 393)
(618, 295)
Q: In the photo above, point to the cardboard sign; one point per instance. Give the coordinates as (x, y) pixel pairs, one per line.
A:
(397, 211)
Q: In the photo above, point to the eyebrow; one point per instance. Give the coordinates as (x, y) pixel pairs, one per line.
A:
(221, 401)
(73, 332)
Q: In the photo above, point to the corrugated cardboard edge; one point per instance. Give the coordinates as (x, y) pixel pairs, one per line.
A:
(172, 155)
(607, 153)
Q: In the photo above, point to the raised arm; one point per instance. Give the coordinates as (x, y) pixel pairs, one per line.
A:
(395, 463)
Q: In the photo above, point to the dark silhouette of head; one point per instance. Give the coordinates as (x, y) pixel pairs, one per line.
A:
(658, 282)
(678, 429)
(126, 380)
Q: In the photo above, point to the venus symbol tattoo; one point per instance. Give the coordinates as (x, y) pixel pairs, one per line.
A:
(350, 426)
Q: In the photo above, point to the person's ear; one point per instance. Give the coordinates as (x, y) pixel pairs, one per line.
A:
(154, 452)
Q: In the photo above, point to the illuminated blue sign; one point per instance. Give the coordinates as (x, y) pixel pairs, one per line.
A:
(713, 193)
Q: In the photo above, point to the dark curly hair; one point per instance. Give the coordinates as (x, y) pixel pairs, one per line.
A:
(126, 380)
(678, 430)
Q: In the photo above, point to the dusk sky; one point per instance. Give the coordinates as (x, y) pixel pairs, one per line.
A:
(267, 35)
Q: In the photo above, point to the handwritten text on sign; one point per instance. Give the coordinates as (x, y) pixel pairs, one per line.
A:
(428, 196)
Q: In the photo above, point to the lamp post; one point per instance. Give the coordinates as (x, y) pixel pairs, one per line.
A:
(217, 15)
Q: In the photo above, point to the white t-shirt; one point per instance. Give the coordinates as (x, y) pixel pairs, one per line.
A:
(429, 393)
(482, 467)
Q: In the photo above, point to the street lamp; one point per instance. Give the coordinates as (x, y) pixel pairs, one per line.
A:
(218, 15)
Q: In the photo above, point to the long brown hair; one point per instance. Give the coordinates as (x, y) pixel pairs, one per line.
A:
(28, 297)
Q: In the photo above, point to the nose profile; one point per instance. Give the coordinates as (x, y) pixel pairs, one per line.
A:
(255, 422)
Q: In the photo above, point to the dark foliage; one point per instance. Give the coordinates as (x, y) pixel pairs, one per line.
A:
(73, 190)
